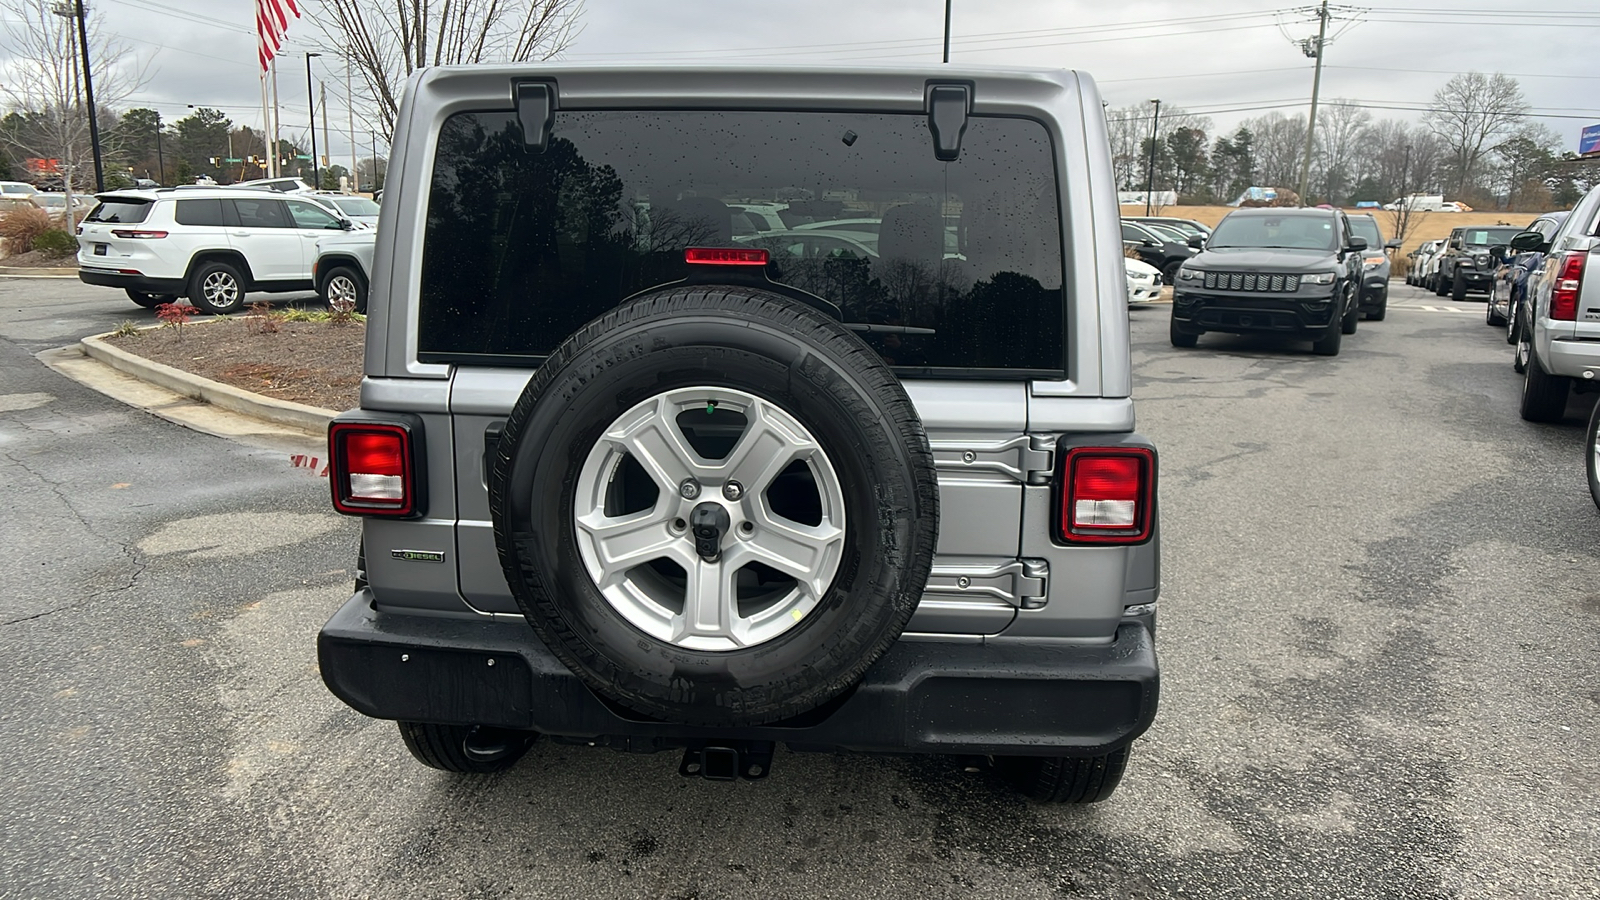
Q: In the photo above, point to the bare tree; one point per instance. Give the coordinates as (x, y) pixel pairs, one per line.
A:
(42, 84)
(1279, 143)
(1338, 138)
(387, 40)
(1471, 114)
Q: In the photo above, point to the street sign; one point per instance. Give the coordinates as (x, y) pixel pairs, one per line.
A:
(1589, 141)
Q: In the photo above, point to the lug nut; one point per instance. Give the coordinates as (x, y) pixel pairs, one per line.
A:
(689, 490)
(733, 490)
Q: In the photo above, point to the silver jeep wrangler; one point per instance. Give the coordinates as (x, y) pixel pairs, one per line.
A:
(710, 409)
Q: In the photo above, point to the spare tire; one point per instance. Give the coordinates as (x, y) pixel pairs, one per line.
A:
(716, 505)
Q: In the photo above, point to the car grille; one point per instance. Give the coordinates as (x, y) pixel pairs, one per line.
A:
(1240, 281)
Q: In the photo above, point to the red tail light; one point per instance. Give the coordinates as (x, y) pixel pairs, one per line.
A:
(725, 256)
(136, 234)
(1569, 281)
(373, 469)
(1107, 495)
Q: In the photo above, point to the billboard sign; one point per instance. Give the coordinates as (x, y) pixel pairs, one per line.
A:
(1589, 141)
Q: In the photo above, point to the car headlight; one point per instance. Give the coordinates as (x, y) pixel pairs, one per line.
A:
(1319, 278)
(1188, 274)
(1372, 262)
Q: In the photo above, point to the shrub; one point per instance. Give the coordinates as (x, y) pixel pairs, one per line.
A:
(56, 243)
(21, 226)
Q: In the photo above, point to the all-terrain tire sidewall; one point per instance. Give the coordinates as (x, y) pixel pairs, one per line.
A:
(1591, 465)
(787, 354)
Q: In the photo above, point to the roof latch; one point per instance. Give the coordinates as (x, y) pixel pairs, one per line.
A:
(947, 118)
(536, 112)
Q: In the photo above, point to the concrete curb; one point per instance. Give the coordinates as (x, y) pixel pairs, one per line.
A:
(283, 412)
(39, 271)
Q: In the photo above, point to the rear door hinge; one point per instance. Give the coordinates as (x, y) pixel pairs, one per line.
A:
(1025, 459)
(1020, 583)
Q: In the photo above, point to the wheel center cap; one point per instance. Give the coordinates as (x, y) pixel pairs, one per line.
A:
(708, 523)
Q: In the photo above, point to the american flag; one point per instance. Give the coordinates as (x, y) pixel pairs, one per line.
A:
(272, 23)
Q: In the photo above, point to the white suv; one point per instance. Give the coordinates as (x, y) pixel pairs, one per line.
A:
(210, 245)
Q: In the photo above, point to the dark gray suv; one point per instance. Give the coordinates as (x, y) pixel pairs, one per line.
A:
(1291, 272)
(631, 476)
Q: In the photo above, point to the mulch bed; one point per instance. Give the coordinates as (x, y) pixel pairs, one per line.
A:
(316, 363)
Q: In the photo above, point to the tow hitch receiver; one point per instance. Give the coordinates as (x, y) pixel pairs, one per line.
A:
(750, 760)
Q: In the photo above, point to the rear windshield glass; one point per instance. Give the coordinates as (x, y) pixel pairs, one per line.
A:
(938, 266)
(122, 212)
(1287, 232)
(1365, 227)
(356, 206)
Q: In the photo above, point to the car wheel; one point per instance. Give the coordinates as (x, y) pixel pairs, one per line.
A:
(1378, 312)
(1181, 336)
(216, 288)
(1352, 316)
(1519, 358)
(1492, 315)
(465, 749)
(1170, 273)
(1065, 779)
(1591, 454)
(1329, 344)
(344, 288)
(150, 301)
(1458, 288)
(1513, 322)
(1441, 287)
(1544, 396)
(719, 545)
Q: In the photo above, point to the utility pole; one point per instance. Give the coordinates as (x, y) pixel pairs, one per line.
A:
(88, 89)
(311, 100)
(1314, 51)
(1150, 167)
(161, 162)
(947, 30)
(350, 109)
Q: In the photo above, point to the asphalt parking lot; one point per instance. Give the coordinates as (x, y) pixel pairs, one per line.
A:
(1379, 631)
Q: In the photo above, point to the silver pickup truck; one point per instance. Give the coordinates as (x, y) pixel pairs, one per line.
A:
(1559, 343)
(634, 471)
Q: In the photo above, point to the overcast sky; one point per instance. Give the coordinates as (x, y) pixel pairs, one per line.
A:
(1228, 59)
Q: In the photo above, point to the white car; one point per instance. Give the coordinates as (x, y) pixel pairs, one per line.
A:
(342, 268)
(1144, 281)
(357, 209)
(1421, 260)
(281, 185)
(18, 190)
(212, 245)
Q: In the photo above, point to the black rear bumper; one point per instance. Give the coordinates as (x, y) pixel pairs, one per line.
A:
(921, 697)
(112, 278)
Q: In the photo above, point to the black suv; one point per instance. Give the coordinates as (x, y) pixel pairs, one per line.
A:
(1466, 263)
(1156, 249)
(1295, 272)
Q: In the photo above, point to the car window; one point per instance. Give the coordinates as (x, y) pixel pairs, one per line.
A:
(263, 213)
(1135, 233)
(1487, 237)
(308, 216)
(120, 211)
(1287, 231)
(522, 248)
(356, 206)
(1365, 227)
(199, 212)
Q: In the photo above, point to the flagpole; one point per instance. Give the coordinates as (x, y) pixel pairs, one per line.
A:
(277, 123)
(267, 168)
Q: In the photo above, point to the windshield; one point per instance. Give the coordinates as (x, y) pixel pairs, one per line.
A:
(1279, 232)
(937, 265)
(121, 211)
(1488, 237)
(356, 206)
(1365, 227)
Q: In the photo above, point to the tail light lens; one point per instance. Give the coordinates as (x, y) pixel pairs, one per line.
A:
(1107, 495)
(1569, 281)
(373, 469)
(138, 234)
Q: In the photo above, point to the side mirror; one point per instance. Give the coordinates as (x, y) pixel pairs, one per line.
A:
(1196, 241)
(1392, 244)
(1357, 242)
(1529, 242)
(347, 225)
(1497, 252)
(1149, 242)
